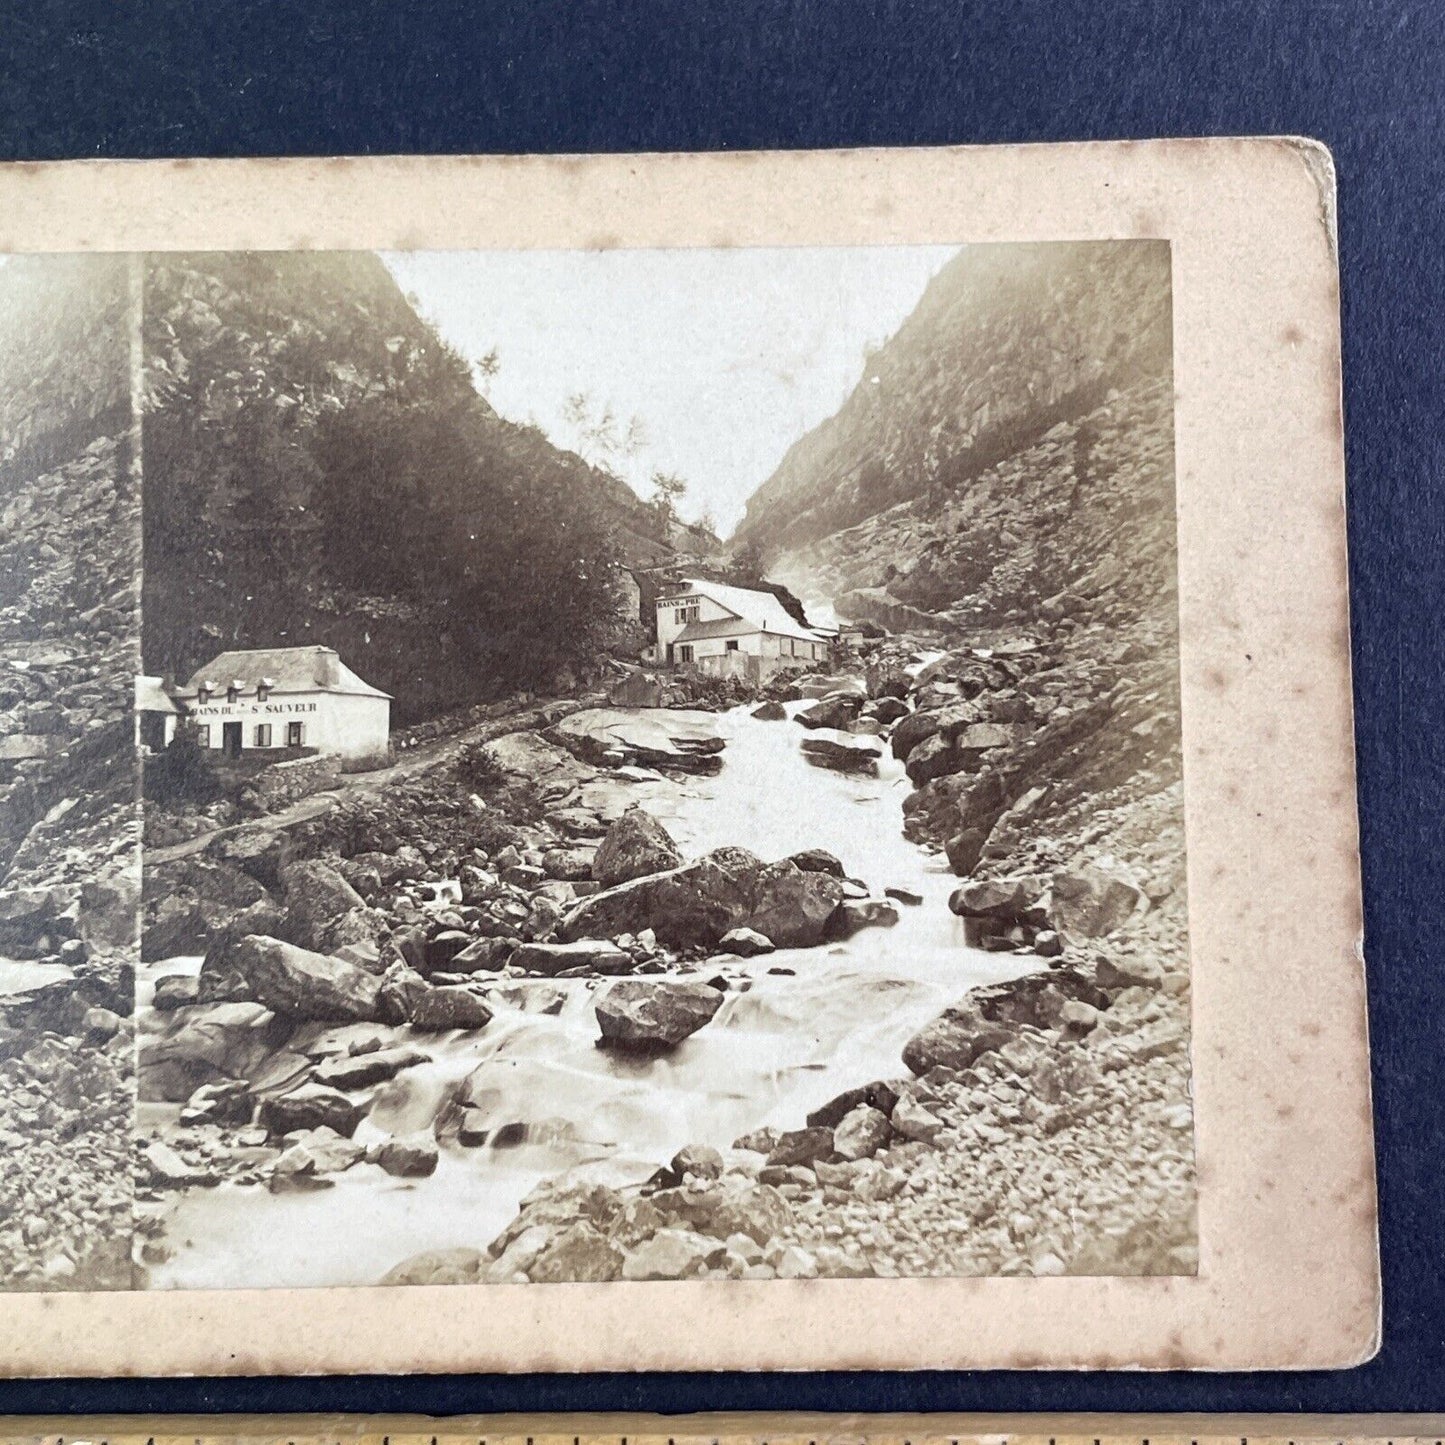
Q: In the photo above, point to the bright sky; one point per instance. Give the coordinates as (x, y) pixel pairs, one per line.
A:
(727, 356)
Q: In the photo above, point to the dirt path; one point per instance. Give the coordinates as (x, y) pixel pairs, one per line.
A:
(415, 760)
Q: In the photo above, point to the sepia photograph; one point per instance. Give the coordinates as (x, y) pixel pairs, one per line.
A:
(660, 765)
(70, 545)
(725, 755)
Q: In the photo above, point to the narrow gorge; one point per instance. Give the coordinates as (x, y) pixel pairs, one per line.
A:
(611, 962)
(907, 936)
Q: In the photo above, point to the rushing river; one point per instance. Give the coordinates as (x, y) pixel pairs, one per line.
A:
(771, 1054)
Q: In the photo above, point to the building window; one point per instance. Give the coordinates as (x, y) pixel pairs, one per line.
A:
(263, 735)
(203, 736)
(203, 693)
(685, 652)
(732, 644)
(263, 691)
(233, 693)
(688, 614)
(293, 734)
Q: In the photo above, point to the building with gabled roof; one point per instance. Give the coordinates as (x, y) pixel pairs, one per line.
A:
(285, 700)
(719, 628)
(156, 714)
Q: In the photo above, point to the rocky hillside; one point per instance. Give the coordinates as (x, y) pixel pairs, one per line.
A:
(1002, 484)
(320, 468)
(69, 831)
(990, 415)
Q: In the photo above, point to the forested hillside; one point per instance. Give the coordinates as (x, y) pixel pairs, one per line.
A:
(321, 469)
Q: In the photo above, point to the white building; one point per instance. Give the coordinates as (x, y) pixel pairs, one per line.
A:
(733, 630)
(280, 699)
(156, 714)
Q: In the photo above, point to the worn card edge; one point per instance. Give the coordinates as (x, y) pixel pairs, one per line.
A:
(1264, 202)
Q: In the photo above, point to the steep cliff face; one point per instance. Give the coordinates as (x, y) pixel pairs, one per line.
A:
(320, 468)
(1021, 382)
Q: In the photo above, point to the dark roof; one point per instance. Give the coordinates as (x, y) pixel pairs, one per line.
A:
(288, 669)
(723, 627)
(151, 696)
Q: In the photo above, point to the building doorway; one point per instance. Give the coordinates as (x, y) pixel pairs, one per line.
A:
(231, 739)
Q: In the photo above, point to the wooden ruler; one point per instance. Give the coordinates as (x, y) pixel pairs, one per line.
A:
(737, 1429)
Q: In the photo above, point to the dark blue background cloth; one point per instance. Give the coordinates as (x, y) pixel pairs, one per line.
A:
(272, 77)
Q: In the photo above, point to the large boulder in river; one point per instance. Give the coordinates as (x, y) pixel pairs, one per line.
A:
(660, 736)
(174, 990)
(317, 897)
(700, 902)
(205, 1044)
(887, 710)
(1004, 898)
(312, 1106)
(398, 992)
(745, 943)
(440, 1009)
(361, 1071)
(635, 845)
(413, 1156)
(853, 915)
(301, 984)
(818, 860)
(594, 954)
(836, 710)
(692, 905)
(792, 906)
(639, 1016)
(842, 752)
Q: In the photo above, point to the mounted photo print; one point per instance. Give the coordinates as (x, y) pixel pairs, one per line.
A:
(679, 762)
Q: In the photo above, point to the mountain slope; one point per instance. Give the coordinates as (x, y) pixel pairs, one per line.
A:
(320, 468)
(963, 406)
